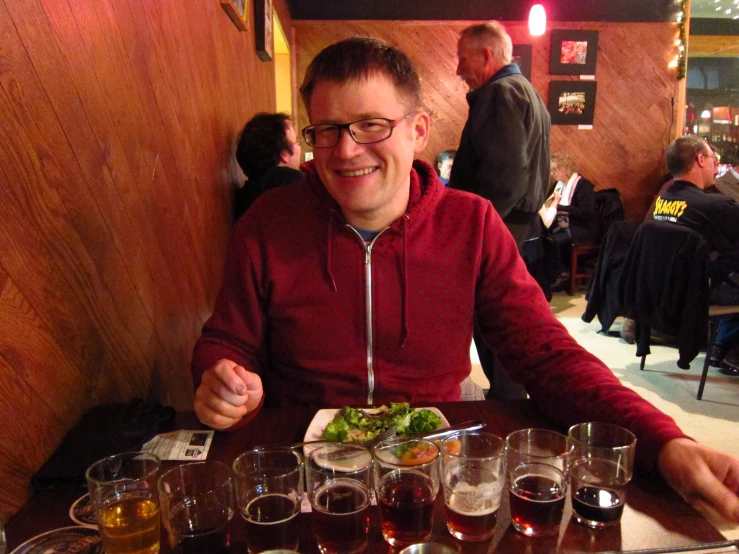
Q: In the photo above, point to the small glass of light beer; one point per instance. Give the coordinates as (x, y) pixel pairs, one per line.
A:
(269, 489)
(472, 477)
(197, 503)
(339, 488)
(602, 467)
(538, 463)
(123, 494)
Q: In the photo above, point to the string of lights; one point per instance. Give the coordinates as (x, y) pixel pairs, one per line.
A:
(681, 59)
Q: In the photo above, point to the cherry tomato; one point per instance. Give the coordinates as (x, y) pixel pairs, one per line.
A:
(453, 447)
(419, 454)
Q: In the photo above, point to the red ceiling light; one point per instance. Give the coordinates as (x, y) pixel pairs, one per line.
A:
(537, 20)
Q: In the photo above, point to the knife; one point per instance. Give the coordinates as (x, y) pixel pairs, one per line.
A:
(466, 426)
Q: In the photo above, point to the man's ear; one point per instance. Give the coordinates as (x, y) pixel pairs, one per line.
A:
(284, 157)
(421, 130)
(488, 55)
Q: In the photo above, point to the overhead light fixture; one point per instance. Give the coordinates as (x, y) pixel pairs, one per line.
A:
(706, 114)
(537, 20)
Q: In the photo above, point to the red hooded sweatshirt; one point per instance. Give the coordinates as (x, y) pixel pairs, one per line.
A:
(328, 320)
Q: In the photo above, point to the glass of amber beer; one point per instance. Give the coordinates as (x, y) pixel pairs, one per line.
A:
(472, 477)
(602, 467)
(406, 480)
(269, 489)
(339, 483)
(538, 473)
(123, 494)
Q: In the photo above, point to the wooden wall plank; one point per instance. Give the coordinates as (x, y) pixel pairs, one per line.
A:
(633, 110)
(116, 184)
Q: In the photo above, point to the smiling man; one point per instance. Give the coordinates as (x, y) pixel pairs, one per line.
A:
(359, 286)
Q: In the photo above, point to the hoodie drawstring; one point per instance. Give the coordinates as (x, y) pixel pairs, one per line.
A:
(328, 249)
(406, 315)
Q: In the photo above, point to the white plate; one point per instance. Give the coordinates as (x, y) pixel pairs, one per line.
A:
(326, 416)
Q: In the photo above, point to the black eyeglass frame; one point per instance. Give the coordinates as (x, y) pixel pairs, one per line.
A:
(392, 124)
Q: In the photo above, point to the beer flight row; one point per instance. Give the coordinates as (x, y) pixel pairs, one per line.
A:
(403, 474)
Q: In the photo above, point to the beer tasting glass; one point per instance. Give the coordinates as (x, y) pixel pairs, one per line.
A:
(123, 493)
(602, 467)
(472, 477)
(538, 473)
(406, 480)
(197, 502)
(339, 484)
(269, 489)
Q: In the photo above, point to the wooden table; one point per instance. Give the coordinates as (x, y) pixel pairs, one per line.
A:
(654, 517)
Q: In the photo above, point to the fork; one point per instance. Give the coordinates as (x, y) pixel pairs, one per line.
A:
(368, 444)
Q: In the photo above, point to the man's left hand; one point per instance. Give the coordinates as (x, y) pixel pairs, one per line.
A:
(706, 478)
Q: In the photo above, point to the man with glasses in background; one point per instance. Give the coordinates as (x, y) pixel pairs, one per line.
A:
(716, 217)
(268, 152)
(359, 286)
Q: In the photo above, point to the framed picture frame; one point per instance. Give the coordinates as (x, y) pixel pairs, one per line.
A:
(263, 31)
(572, 102)
(522, 58)
(236, 10)
(574, 52)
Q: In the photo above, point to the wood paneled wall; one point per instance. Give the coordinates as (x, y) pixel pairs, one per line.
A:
(633, 112)
(117, 123)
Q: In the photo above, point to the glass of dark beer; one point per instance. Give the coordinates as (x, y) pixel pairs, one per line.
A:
(197, 504)
(338, 481)
(406, 481)
(602, 467)
(472, 477)
(269, 489)
(538, 464)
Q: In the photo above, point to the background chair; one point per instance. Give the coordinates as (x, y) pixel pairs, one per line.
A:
(664, 286)
(608, 210)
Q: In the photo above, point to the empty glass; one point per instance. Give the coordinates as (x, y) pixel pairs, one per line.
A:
(197, 503)
(269, 489)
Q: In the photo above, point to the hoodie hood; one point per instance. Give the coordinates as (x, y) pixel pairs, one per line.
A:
(426, 189)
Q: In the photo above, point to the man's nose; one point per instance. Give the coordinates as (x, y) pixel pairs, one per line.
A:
(346, 147)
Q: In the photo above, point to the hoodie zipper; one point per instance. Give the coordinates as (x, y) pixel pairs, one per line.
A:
(368, 311)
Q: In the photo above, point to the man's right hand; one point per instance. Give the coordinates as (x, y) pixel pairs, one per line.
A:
(227, 392)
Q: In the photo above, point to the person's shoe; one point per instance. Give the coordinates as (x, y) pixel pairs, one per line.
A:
(730, 363)
(627, 330)
(717, 355)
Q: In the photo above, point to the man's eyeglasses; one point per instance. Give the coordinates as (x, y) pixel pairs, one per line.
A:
(364, 131)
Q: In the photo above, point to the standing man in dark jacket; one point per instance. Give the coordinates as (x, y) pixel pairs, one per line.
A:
(504, 152)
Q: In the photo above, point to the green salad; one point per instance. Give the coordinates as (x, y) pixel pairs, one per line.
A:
(353, 425)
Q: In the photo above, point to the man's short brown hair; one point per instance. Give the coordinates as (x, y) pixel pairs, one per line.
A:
(358, 58)
(682, 152)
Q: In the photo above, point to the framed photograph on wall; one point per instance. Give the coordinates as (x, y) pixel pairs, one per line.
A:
(522, 58)
(263, 29)
(573, 52)
(236, 10)
(572, 102)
